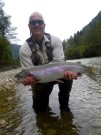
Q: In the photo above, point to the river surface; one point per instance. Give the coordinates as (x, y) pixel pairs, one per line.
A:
(84, 117)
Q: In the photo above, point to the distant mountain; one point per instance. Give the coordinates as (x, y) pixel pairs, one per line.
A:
(15, 51)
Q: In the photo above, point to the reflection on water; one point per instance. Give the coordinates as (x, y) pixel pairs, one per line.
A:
(48, 124)
(51, 122)
(83, 117)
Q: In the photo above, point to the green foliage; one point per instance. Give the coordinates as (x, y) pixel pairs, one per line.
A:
(87, 42)
(6, 30)
(7, 34)
(5, 51)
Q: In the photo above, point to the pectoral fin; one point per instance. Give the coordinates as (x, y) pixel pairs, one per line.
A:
(59, 81)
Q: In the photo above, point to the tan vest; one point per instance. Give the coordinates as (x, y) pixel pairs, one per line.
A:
(39, 56)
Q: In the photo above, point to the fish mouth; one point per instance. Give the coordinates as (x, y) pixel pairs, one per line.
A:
(16, 76)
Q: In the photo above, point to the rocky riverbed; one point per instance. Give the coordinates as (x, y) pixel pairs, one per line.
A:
(8, 80)
(9, 119)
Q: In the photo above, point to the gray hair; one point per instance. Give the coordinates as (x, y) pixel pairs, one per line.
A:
(36, 13)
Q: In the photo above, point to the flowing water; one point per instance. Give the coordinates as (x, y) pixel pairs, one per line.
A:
(84, 117)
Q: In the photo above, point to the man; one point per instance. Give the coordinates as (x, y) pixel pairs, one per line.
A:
(42, 48)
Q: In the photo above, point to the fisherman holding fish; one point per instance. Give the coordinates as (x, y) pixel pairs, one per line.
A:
(39, 49)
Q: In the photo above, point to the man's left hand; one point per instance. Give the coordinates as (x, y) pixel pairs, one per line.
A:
(69, 75)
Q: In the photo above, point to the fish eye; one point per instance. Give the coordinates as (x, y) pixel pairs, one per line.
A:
(20, 76)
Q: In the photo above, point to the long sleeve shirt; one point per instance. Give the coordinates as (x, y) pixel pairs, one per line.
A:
(25, 52)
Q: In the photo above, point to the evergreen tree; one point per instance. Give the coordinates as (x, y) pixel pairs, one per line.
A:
(7, 34)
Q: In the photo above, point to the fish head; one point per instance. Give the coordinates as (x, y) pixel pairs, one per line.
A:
(21, 75)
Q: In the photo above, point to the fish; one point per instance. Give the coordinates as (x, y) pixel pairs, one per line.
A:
(55, 71)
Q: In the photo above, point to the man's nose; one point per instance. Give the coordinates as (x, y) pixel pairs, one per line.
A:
(36, 23)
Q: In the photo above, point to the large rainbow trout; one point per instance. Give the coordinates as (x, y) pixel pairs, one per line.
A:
(53, 72)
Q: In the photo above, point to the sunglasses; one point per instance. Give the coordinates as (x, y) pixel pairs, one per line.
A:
(34, 22)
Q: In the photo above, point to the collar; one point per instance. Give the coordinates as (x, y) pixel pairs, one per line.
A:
(46, 39)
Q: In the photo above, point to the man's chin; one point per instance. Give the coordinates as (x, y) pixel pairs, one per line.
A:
(37, 31)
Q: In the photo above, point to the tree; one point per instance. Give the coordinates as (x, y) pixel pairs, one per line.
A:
(1, 18)
(7, 34)
(6, 30)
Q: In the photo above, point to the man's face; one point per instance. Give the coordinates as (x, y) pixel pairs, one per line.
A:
(36, 25)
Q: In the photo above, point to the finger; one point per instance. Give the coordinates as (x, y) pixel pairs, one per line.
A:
(67, 75)
(26, 81)
(70, 75)
(73, 75)
(32, 80)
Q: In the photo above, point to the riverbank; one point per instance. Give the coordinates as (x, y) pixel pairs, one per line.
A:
(7, 79)
(8, 67)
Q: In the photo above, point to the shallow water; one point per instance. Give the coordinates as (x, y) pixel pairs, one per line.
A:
(84, 117)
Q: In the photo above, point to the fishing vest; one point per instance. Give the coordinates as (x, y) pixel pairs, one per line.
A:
(41, 56)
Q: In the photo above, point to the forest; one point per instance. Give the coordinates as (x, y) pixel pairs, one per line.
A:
(85, 43)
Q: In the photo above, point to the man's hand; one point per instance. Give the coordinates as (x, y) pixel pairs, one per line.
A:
(69, 75)
(29, 81)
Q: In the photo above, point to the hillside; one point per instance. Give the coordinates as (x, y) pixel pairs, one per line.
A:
(85, 43)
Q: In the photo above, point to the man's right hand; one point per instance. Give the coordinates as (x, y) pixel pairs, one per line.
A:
(29, 81)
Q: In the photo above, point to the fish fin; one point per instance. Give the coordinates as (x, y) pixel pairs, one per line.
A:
(92, 73)
(95, 70)
(78, 62)
(94, 78)
(59, 81)
(30, 89)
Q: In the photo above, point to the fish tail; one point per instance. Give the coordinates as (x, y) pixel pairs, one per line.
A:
(93, 77)
(93, 72)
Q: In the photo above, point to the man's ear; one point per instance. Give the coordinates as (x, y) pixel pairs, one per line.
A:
(44, 25)
(29, 26)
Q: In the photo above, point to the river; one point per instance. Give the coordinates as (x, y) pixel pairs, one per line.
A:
(84, 117)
